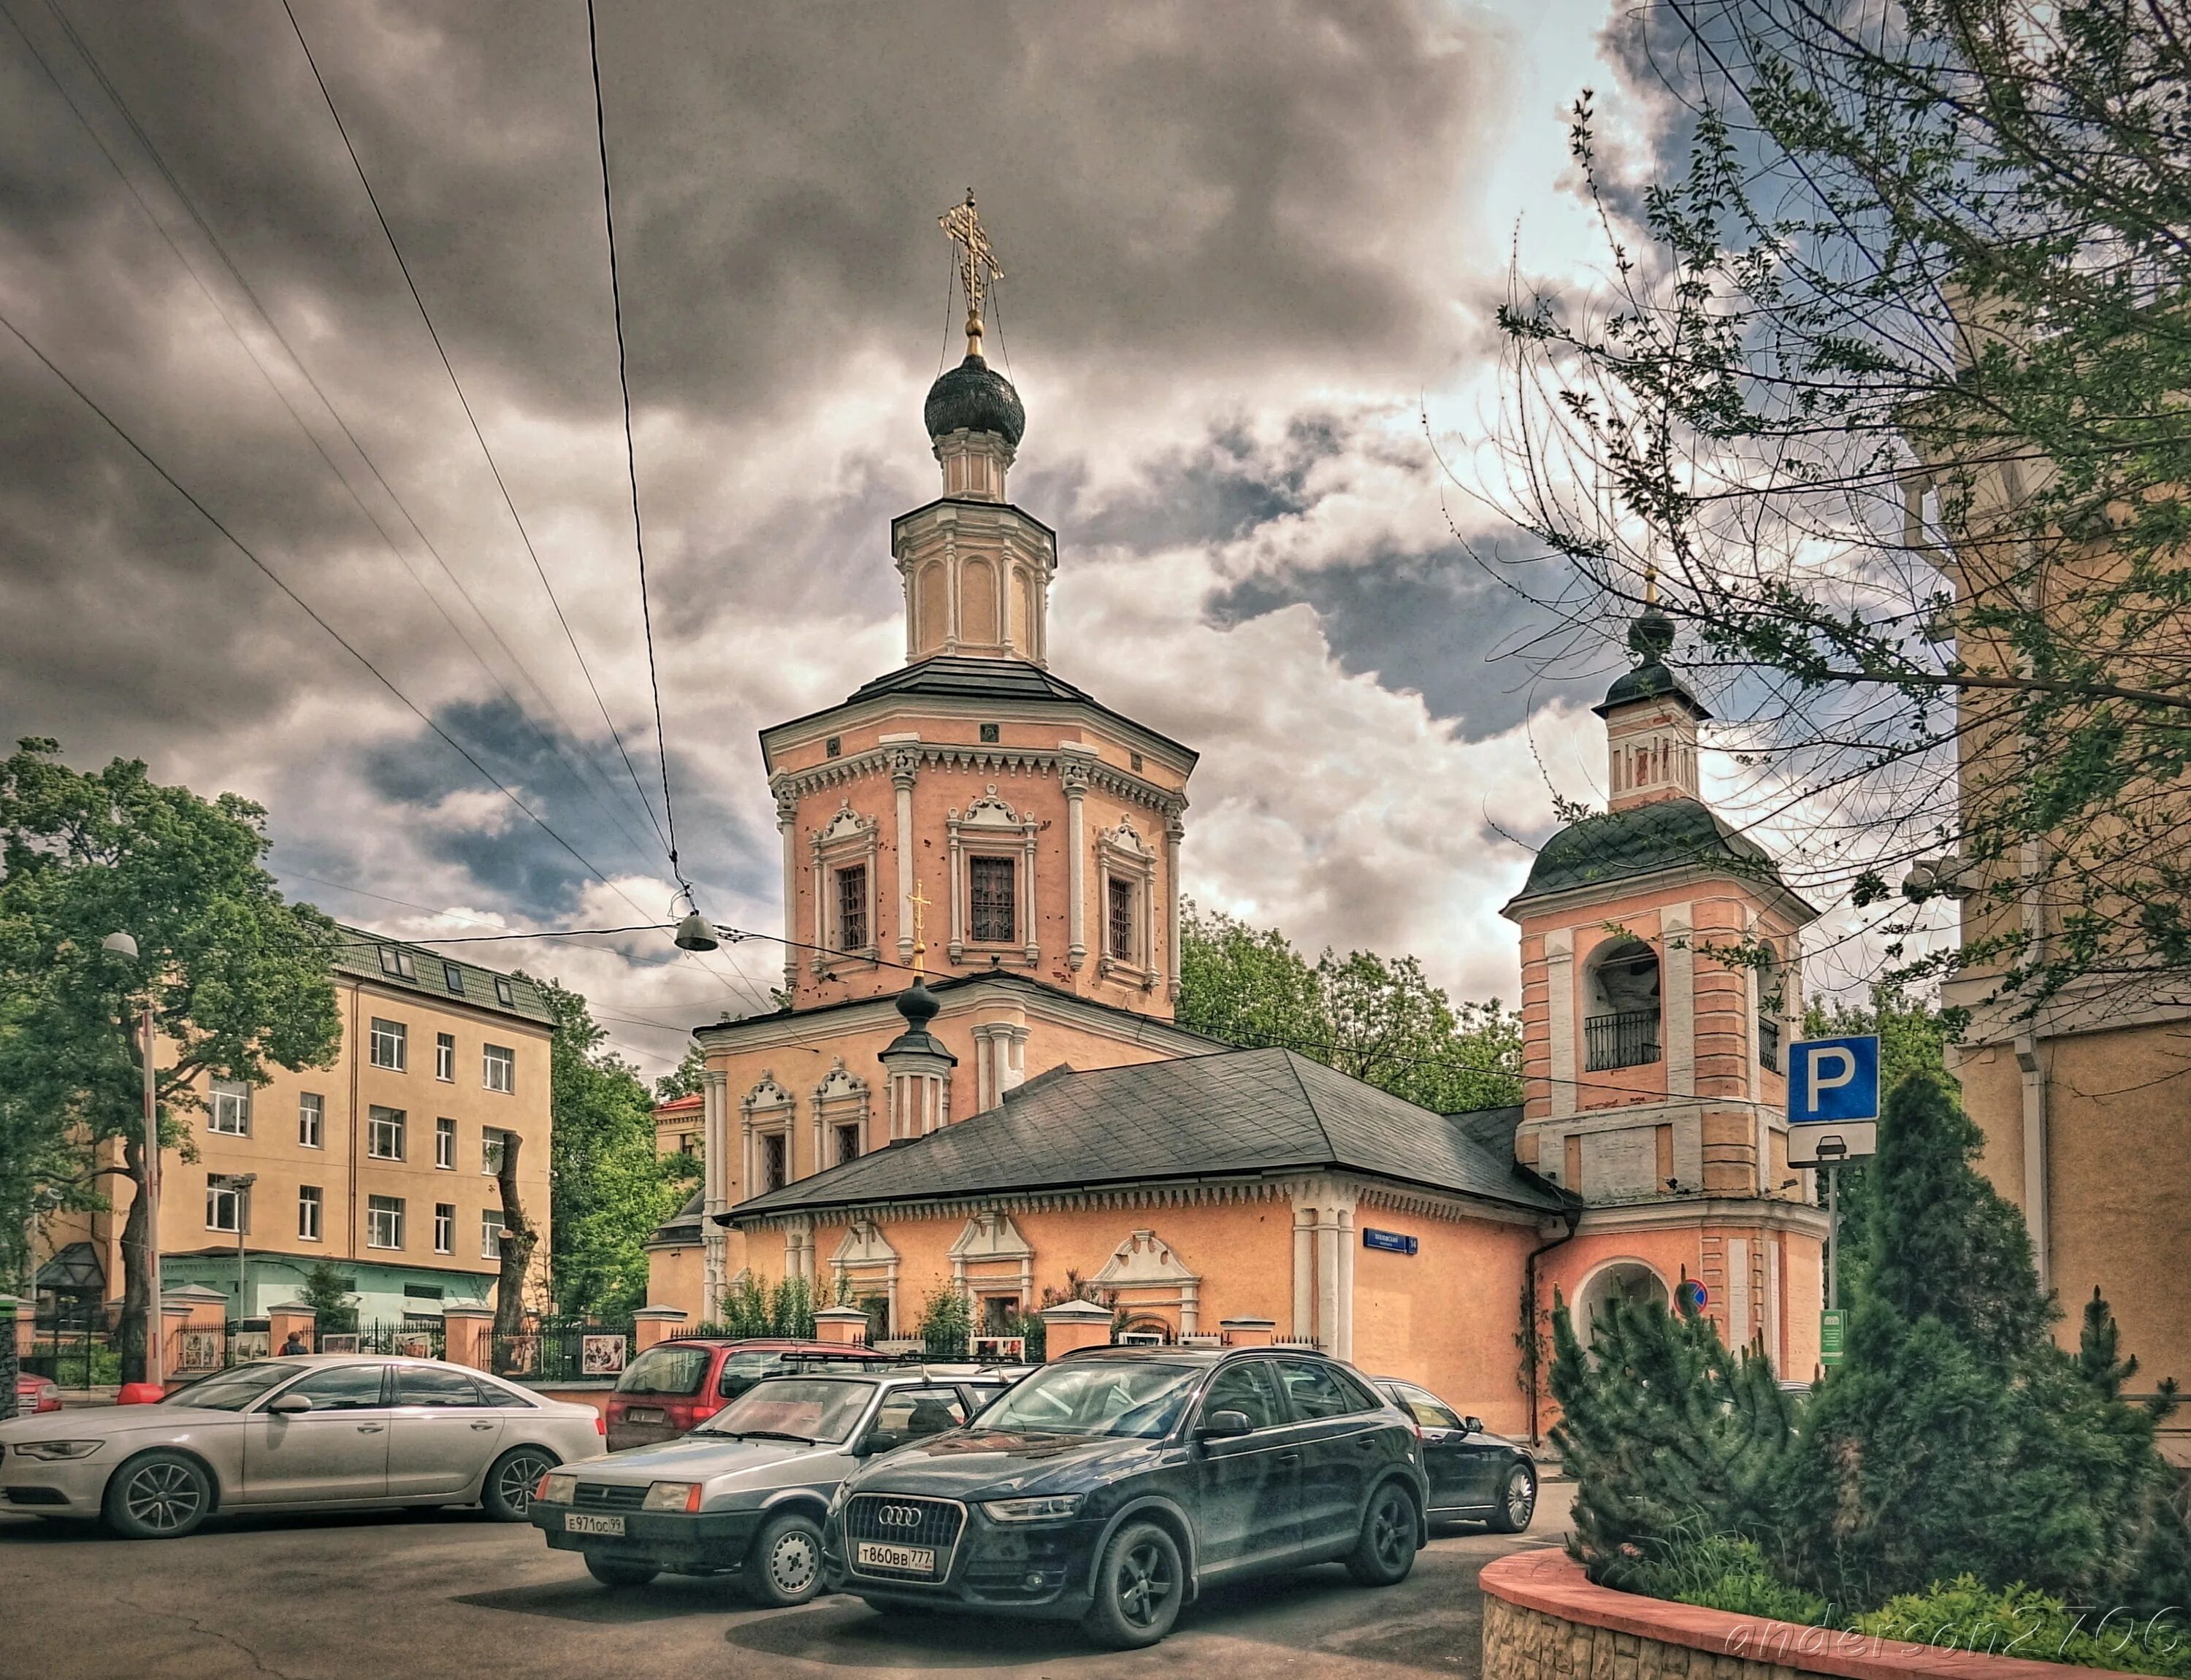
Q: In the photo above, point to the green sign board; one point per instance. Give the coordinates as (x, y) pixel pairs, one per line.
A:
(1833, 1327)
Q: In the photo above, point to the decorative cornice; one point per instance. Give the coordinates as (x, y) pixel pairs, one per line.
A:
(905, 762)
(1765, 1212)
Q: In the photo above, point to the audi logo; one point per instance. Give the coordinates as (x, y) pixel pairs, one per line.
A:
(899, 1516)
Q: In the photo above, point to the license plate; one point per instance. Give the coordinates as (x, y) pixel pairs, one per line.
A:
(643, 1415)
(584, 1522)
(883, 1556)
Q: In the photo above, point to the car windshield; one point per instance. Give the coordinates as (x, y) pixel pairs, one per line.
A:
(670, 1370)
(233, 1390)
(793, 1408)
(1095, 1397)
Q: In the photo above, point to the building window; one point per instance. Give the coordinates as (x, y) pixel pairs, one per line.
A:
(311, 1115)
(389, 1044)
(444, 1143)
(775, 1165)
(384, 1133)
(384, 1222)
(491, 1152)
(453, 977)
(1119, 919)
(445, 1227)
(504, 993)
(226, 1208)
(445, 1056)
(848, 1143)
(308, 1213)
(398, 963)
(491, 1229)
(228, 1108)
(853, 908)
(991, 885)
(498, 1067)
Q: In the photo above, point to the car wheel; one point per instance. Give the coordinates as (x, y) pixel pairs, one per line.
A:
(1138, 1588)
(1386, 1552)
(506, 1493)
(1517, 1500)
(611, 1573)
(161, 1496)
(785, 1564)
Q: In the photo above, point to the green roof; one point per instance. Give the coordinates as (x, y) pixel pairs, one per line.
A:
(1644, 840)
(446, 980)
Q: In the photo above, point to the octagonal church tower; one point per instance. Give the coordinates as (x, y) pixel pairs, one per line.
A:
(1651, 1054)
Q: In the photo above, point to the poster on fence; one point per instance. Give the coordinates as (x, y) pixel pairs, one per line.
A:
(414, 1344)
(252, 1344)
(601, 1355)
(200, 1350)
(339, 1342)
(517, 1355)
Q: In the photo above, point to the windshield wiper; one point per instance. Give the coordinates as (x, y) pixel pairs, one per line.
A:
(773, 1435)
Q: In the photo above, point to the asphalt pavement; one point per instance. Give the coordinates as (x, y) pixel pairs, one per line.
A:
(446, 1595)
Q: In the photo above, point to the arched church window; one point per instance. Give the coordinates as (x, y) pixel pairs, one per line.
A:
(977, 602)
(1620, 1027)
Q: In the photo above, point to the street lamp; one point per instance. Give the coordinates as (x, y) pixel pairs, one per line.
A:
(123, 945)
(240, 1182)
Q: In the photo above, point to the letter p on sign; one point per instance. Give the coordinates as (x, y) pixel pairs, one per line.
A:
(1833, 1080)
(1831, 1067)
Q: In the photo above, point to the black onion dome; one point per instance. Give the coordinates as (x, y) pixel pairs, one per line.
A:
(919, 1005)
(973, 397)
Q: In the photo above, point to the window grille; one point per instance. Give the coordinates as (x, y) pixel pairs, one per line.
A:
(853, 908)
(993, 882)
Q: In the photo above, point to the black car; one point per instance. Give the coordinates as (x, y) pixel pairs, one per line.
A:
(1111, 1486)
(1475, 1476)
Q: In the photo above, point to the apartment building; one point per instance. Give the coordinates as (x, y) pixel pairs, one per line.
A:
(383, 1163)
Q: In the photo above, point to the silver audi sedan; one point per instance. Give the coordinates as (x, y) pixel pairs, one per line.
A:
(327, 1432)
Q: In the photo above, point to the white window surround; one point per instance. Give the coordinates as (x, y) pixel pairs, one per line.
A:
(990, 828)
(1121, 855)
(1145, 1267)
(990, 1257)
(866, 1258)
(846, 840)
(768, 1109)
(842, 1098)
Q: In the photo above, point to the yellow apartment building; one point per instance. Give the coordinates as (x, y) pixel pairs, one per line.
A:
(383, 1163)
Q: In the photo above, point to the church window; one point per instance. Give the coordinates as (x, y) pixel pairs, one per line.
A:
(992, 884)
(853, 908)
(774, 1162)
(848, 1143)
(1118, 918)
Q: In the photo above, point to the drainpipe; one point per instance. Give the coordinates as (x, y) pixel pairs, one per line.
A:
(1571, 1216)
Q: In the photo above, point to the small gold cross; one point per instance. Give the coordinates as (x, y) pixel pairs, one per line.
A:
(919, 903)
(977, 262)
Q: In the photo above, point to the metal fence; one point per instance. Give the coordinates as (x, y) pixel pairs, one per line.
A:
(564, 1353)
(74, 1358)
(417, 1338)
(1629, 1039)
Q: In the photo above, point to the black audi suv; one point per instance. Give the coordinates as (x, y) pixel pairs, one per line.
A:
(1114, 1484)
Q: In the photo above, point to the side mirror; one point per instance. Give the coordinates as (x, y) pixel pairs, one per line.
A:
(1223, 1425)
(1473, 1425)
(289, 1406)
(878, 1440)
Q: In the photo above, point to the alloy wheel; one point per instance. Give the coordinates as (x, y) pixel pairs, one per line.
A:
(1392, 1528)
(163, 1497)
(1520, 1499)
(1144, 1583)
(520, 1475)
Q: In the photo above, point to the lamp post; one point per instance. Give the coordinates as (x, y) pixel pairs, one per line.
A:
(123, 945)
(240, 1182)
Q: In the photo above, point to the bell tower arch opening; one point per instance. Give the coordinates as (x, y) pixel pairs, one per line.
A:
(1622, 1012)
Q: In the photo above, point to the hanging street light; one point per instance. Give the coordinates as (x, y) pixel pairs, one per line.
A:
(697, 933)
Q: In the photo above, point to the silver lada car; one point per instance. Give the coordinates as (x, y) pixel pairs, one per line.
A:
(745, 1494)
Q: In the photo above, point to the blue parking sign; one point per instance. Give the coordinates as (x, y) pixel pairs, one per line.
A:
(1833, 1100)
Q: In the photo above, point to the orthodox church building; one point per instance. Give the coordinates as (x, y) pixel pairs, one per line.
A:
(976, 1083)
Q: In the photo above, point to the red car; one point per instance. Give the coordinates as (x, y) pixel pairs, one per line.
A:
(36, 1394)
(676, 1384)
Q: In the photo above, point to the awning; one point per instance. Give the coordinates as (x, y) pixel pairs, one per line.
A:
(74, 1271)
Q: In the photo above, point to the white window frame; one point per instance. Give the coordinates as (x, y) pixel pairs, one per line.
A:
(445, 1228)
(445, 1145)
(227, 1107)
(311, 1120)
(378, 1117)
(444, 1057)
(1122, 856)
(847, 841)
(491, 1229)
(490, 1146)
(990, 829)
(390, 1045)
(384, 1217)
(220, 1195)
(310, 1213)
(502, 1058)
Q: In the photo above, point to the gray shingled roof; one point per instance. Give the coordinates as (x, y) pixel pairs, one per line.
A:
(1244, 1112)
(359, 953)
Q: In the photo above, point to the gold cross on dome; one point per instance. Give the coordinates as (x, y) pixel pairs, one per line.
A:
(977, 262)
(919, 903)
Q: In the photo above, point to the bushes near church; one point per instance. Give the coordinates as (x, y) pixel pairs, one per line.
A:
(1956, 1444)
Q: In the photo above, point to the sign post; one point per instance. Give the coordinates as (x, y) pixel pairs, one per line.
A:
(1833, 1119)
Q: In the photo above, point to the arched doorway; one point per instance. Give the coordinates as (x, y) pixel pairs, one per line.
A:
(1630, 1280)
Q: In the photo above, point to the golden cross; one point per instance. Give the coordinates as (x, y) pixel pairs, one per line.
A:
(919, 903)
(977, 262)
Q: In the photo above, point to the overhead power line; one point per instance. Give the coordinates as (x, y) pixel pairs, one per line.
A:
(457, 384)
(630, 449)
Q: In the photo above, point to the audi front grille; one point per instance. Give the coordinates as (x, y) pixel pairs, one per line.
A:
(902, 1519)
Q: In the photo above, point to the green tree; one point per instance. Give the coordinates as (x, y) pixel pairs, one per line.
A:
(326, 1292)
(1246, 987)
(946, 1323)
(608, 1190)
(238, 979)
(683, 1080)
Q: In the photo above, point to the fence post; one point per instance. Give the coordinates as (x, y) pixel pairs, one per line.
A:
(468, 1336)
(290, 1315)
(1071, 1325)
(10, 1359)
(650, 1325)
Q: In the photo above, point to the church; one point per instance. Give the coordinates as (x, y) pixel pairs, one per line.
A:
(975, 1083)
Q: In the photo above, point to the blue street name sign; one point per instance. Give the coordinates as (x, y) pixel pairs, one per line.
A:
(1392, 1242)
(1833, 1100)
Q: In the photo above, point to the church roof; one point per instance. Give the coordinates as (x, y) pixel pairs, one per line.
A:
(1649, 681)
(1240, 1112)
(1642, 840)
(973, 397)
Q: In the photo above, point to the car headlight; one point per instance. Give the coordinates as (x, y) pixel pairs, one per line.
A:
(1048, 1507)
(673, 1496)
(837, 1499)
(558, 1487)
(53, 1451)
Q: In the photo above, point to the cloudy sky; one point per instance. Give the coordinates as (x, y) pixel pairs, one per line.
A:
(1248, 247)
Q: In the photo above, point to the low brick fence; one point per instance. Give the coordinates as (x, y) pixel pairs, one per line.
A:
(1543, 1620)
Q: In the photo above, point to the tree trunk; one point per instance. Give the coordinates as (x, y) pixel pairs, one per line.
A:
(519, 1239)
(136, 1264)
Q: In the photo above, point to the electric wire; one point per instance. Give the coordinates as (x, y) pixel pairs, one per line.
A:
(630, 448)
(494, 468)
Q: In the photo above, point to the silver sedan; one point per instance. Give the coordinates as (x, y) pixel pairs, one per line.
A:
(325, 1432)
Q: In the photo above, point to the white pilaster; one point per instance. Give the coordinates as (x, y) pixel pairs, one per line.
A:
(1343, 1320)
(787, 823)
(1174, 831)
(905, 769)
(1677, 998)
(1304, 1271)
(1074, 775)
(1560, 1009)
